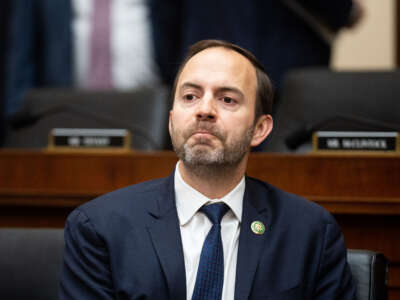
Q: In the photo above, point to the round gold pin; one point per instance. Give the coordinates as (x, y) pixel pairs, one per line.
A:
(257, 227)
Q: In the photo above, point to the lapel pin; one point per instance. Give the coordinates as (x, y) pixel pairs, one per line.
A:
(257, 227)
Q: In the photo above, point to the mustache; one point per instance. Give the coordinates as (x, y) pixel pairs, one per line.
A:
(203, 126)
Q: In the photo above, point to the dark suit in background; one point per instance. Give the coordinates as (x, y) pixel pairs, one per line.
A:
(127, 245)
(40, 45)
(39, 48)
(4, 16)
(44, 36)
(273, 33)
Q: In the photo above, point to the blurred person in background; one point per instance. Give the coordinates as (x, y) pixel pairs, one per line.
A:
(91, 44)
(4, 7)
(283, 34)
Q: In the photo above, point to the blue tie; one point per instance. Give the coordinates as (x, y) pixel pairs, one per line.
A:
(210, 274)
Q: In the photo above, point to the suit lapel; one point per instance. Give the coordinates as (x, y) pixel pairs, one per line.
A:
(165, 234)
(250, 244)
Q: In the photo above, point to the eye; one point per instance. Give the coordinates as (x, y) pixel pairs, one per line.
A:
(228, 100)
(189, 97)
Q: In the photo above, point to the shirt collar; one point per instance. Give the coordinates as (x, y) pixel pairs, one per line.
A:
(189, 200)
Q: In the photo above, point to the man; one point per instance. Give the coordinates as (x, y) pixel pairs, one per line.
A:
(161, 239)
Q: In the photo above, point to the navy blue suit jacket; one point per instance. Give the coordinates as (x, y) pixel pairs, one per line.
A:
(267, 28)
(127, 245)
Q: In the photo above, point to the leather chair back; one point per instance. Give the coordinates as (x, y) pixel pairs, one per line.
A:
(369, 270)
(144, 112)
(30, 261)
(315, 95)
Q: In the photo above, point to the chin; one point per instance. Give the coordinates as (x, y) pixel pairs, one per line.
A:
(203, 155)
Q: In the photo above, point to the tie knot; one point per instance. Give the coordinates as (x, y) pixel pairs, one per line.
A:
(215, 212)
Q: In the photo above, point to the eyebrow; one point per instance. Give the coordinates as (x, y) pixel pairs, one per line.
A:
(219, 89)
(231, 89)
(189, 85)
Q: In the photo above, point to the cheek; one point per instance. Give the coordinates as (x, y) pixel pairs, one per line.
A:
(237, 123)
(177, 124)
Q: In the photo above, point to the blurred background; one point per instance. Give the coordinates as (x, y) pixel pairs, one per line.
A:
(56, 56)
(372, 45)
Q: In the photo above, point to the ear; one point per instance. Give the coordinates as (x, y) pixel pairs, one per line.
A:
(262, 129)
(170, 122)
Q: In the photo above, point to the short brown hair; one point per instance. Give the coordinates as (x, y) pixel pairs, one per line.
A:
(264, 93)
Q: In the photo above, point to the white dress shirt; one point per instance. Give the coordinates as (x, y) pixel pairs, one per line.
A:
(132, 53)
(194, 227)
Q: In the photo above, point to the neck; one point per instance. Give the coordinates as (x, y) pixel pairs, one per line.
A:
(213, 182)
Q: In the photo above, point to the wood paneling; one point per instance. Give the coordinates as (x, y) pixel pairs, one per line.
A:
(344, 184)
(394, 294)
(394, 278)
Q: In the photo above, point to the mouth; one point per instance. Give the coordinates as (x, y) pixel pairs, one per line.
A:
(203, 133)
(203, 137)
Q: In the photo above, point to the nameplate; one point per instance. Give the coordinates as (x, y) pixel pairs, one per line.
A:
(88, 138)
(366, 141)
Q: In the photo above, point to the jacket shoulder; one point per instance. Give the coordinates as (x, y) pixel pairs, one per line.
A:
(289, 206)
(131, 202)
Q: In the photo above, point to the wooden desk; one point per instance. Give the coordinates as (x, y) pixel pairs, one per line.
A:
(38, 189)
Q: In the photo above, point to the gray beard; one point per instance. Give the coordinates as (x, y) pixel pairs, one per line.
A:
(203, 161)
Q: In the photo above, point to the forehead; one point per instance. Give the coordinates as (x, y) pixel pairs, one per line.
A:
(220, 66)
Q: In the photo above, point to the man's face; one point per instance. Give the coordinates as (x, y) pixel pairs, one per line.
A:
(212, 120)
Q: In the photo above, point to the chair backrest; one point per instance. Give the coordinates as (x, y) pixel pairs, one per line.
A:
(369, 270)
(30, 261)
(311, 96)
(144, 112)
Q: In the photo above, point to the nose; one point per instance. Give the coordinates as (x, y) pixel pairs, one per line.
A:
(206, 110)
